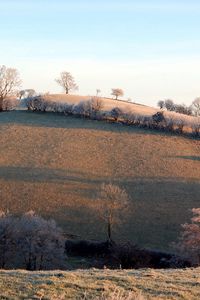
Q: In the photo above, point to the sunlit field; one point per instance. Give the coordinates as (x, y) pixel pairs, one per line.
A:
(55, 165)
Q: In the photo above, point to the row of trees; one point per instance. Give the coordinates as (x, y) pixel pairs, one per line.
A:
(193, 109)
(94, 109)
(10, 82)
(67, 82)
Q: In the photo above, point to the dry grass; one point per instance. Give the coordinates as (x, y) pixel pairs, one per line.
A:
(55, 165)
(102, 285)
(108, 103)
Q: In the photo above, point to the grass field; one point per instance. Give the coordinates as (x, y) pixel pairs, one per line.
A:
(149, 284)
(55, 166)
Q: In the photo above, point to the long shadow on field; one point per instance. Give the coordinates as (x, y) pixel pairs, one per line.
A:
(44, 175)
(54, 120)
(32, 174)
(188, 157)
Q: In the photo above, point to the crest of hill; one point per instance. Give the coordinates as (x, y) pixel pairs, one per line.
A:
(131, 107)
(108, 103)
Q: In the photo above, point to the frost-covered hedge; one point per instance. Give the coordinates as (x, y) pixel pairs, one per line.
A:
(93, 109)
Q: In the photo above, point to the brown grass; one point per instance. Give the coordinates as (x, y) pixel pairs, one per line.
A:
(55, 165)
(108, 103)
(101, 285)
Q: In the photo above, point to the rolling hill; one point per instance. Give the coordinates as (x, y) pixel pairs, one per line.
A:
(55, 166)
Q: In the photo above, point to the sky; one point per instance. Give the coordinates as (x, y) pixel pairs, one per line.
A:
(150, 49)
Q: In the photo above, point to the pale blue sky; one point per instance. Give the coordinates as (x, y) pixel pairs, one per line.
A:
(151, 49)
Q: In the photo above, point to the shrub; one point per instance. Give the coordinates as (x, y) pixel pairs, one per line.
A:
(189, 240)
(196, 127)
(10, 104)
(30, 242)
(116, 113)
(129, 256)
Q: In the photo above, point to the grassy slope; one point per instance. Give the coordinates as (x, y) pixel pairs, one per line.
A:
(57, 285)
(108, 103)
(55, 165)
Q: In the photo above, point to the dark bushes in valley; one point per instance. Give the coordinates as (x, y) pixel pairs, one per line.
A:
(87, 248)
(130, 256)
(126, 256)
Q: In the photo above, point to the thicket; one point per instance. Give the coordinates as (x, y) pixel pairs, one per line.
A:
(30, 242)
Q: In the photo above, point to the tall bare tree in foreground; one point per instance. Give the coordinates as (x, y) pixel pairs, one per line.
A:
(67, 82)
(117, 93)
(9, 81)
(189, 241)
(112, 206)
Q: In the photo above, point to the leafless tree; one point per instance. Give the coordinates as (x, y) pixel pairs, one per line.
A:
(161, 104)
(9, 81)
(96, 105)
(117, 93)
(169, 104)
(98, 91)
(10, 104)
(116, 113)
(189, 241)
(112, 204)
(196, 106)
(67, 82)
(40, 242)
(27, 93)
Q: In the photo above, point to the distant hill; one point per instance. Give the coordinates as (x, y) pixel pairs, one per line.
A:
(55, 165)
(108, 103)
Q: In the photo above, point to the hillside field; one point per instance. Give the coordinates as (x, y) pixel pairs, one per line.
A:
(146, 284)
(55, 166)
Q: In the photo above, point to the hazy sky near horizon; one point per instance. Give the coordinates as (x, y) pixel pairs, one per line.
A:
(151, 49)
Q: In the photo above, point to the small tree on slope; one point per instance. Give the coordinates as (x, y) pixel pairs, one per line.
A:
(112, 204)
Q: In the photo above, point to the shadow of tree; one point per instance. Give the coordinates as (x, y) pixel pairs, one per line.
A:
(189, 157)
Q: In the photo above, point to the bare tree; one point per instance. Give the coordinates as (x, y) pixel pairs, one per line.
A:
(117, 93)
(196, 106)
(169, 104)
(67, 82)
(27, 93)
(161, 104)
(116, 113)
(189, 241)
(40, 242)
(96, 105)
(98, 91)
(112, 204)
(9, 81)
